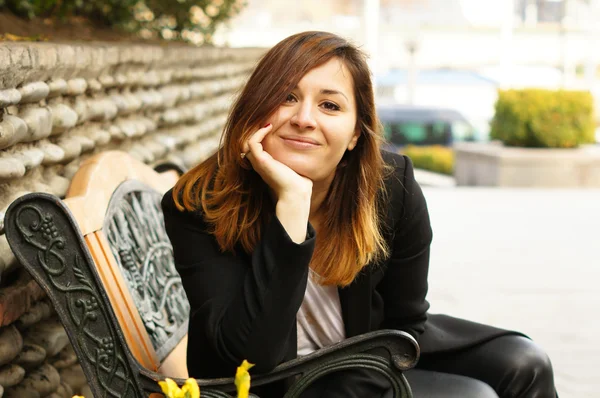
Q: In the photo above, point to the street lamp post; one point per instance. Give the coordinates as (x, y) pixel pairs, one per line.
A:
(593, 34)
(371, 24)
(506, 38)
(411, 46)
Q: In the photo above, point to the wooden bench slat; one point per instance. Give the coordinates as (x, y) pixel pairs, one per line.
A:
(98, 177)
(122, 302)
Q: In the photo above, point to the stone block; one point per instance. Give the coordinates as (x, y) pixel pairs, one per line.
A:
(50, 335)
(38, 311)
(116, 132)
(101, 137)
(121, 79)
(11, 168)
(28, 155)
(106, 109)
(81, 107)
(9, 97)
(11, 343)
(30, 357)
(63, 391)
(492, 164)
(119, 101)
(52, 153)
(158, 151)
(169, 142)
(71, 168)
(86, 391)
(58, 184)
(170, 95)
(18, 298)
(64, 359)
(94, 85)
(57, 87)
(107, 81)
(63, 117)
(74, 377)
(171, 117)
(134, 104)
(76, 86)
(15, 64)
(71, 146)
(13, 129)
(21, 391)
(87, 144)
(11, 375)
(45, 380)
(34, 92)
(8, 261)
(39, 122)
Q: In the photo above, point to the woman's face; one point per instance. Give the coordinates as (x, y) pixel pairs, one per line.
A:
(316, 124)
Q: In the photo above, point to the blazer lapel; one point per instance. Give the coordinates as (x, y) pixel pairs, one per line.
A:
(355, 301)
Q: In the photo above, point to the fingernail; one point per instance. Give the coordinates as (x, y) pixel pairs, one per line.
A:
(266, 125)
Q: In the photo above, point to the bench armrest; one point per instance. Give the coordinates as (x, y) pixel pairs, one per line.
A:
(351, 353)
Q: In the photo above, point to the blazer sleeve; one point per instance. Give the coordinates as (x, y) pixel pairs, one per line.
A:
(247, 304)
(404, 285)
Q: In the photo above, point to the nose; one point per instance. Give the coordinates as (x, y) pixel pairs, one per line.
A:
(303, 117)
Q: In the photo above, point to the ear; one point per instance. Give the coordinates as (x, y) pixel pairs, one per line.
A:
(354, 140)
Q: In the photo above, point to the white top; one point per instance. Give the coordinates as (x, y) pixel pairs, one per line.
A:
(319, 319)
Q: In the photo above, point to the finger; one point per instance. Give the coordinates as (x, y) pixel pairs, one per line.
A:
(261, 133)
(259, 159)
(258, 136)
(257, 152)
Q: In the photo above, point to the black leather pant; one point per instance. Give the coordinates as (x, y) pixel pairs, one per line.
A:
(506, 367)
(514, 366)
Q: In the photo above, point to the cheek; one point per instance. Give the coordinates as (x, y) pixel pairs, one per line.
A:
(341, 136)
(279, 117)
(268, 143)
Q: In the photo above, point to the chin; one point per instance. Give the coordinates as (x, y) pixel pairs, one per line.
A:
(302, 167)
(300, 164)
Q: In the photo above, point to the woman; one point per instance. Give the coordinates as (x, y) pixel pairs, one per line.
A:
(299, 232)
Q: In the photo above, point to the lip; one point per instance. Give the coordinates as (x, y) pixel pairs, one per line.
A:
(300, 142)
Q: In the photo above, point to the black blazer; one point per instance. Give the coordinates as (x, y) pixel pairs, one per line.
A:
(244, 306)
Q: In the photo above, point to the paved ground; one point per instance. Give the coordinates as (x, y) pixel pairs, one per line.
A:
(528, 260)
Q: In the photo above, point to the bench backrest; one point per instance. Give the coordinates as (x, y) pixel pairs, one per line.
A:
(116, 202)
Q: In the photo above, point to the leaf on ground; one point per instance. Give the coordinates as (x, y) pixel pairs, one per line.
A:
(11, 37)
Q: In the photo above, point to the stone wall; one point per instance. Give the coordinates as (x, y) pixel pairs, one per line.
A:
(61, 103)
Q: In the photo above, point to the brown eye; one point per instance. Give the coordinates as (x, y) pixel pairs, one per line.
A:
(290, 98)
(330, 106)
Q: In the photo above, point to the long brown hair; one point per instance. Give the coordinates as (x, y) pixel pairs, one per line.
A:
(235, 200)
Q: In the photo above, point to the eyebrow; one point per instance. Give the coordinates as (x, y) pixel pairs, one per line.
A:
(330, 91)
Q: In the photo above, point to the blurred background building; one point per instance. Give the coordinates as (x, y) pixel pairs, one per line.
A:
(451, 53)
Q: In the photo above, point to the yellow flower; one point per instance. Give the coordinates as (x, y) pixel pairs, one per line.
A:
(171, 390)
(242, 379)
(191, 387)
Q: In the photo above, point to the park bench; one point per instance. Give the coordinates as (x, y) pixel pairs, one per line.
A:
(103, 258)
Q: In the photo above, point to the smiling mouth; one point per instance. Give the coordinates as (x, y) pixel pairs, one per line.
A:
(300, 143)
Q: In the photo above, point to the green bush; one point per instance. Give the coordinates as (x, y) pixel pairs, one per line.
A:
(188, 20)
(438, 159)
(543, 118)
